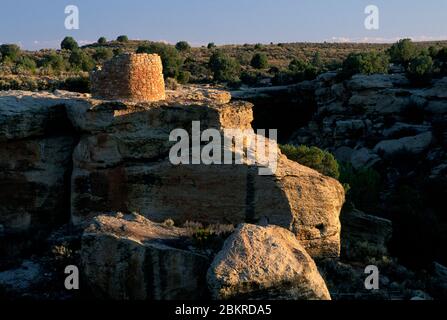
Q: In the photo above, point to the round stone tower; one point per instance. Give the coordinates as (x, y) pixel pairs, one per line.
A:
(134, 77)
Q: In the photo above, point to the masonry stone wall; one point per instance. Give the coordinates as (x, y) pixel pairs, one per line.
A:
(135, 77)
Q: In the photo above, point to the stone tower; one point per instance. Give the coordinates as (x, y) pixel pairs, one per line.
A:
(133, 77)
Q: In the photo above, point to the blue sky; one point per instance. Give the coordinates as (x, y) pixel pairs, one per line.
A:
(40, 24)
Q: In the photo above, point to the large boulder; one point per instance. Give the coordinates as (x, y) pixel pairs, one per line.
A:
(387, 101)
(363, 231)
(265, 263)
(413, 145)
(376, 81)
(121, 164)
(437, 91)
(129, 257)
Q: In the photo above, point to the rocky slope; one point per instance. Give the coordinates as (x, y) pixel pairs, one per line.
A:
(394, 136)
(87, 157)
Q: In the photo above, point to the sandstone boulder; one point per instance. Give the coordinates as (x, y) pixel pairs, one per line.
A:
(131, 258)
(265, 263)
(437, 91)
(364, 158)
(413, 145)
(401, 128)
(387, 101)
(376, 81)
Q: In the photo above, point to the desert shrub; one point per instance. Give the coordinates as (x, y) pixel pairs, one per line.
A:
(250, 78)
(10, 51)
(365, 63)
(442, 54)
(69, 44)
(420, 70)
(183, 77)
(258, 46)
(169, 223)
(313, 157)
(316, 60)
(170, 57)
(25, 64)
(433, 51)
(224, 68)
(208, 237)
(76, 84)
(171, 84)
(403, 51)
(122, 38)
(102, 40)
(103, 54)
(117, 51)
(259, 61)
(53, 62)
(211, 45)
(298, 70)
(334, 65)
(182, 46)
(297, 65)
(301, 70)
(81, 60)
(364, 186)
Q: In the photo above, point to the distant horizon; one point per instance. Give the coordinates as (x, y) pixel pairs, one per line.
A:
(35, 26)
(84, 43)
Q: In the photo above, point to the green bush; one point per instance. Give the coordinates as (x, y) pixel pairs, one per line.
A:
(69, 44)
(420, 70)
(403, 52)
(301, 70)
(298, 70)
(122, 38)
(365, 63)
(250, 78)
(182, 46)
(26, 64)
(117, 51)
(364, 186)
(259, 61)
(76, 84)
(442, 54)
(313, 157)
(298, 65)
(102, 40)
(211, 45)
(183, 77)
(170, 57)
(433, 51)
(316, 60)
(224, 68)
(54, 62)
(10, 51)
(81, 60)
(103, 54)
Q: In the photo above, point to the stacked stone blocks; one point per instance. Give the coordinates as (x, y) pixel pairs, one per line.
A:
(133, 77)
